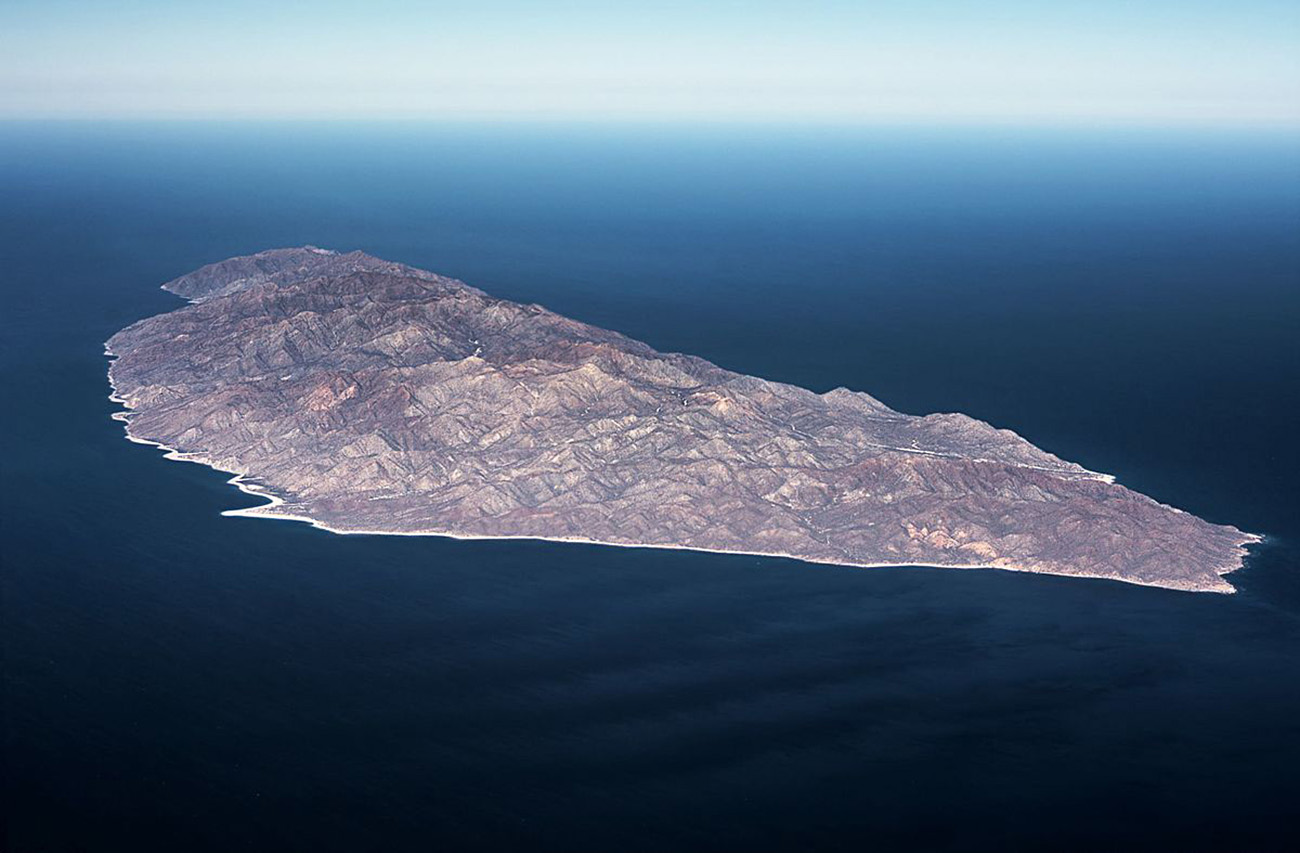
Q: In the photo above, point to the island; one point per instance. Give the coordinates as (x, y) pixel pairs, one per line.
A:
(365, 396)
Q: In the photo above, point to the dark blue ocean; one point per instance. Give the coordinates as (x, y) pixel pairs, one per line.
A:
(1129, 299)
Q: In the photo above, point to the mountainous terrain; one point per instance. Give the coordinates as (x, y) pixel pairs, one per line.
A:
(369, 396)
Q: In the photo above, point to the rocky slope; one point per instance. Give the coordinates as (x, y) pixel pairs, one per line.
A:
(370, 396)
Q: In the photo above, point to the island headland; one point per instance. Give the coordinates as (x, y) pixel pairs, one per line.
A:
(365, 396)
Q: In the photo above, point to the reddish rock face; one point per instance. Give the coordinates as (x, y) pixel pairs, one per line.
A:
(371, 396)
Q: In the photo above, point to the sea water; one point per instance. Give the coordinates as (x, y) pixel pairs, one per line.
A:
(1128, 299)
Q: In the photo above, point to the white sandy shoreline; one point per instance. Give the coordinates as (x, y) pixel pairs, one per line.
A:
(268, 511)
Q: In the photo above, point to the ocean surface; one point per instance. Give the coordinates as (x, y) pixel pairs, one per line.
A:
(1128, 299)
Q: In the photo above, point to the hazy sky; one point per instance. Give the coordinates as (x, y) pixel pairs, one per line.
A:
(1149, 61)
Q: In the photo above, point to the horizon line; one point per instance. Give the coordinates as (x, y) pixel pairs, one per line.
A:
(1070, 122)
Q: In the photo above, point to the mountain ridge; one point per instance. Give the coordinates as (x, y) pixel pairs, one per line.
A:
(364, 394)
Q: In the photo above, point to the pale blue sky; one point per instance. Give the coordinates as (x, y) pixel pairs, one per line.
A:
(1052, 61)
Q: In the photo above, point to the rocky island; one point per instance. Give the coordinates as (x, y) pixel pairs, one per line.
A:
(366, 396)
